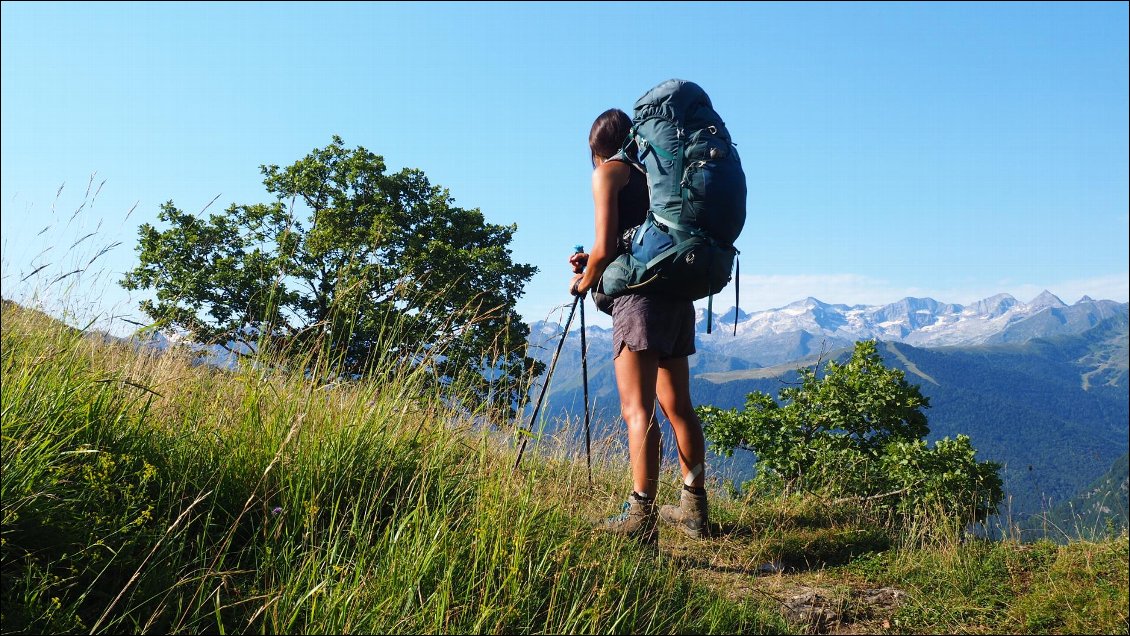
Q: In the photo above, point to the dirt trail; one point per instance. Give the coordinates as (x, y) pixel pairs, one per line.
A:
(812, 599)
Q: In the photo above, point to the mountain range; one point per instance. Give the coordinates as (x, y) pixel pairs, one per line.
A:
(1040, 387)
(771, 342)
(808, 326)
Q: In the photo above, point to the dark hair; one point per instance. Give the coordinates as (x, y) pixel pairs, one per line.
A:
(608, 134)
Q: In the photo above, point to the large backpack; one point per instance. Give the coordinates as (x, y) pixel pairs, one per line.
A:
(685, 247)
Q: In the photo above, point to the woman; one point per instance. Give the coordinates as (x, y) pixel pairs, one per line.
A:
(653, 335)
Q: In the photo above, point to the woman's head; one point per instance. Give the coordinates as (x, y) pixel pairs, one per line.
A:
(608, 133)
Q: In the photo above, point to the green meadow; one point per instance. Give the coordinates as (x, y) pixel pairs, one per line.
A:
(143, 493)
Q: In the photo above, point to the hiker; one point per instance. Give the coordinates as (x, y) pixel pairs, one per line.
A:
(653, 335)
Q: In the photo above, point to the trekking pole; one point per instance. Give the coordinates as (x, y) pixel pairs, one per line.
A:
(545, 385)
(585, 380)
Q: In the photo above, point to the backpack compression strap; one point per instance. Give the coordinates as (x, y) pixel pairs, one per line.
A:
(737, 285)
(737, 304)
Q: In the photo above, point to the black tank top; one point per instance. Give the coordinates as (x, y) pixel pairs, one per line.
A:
(632, 203)
(633, 200)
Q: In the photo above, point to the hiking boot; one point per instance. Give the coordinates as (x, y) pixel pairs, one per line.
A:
(638, 520)
(689, 516)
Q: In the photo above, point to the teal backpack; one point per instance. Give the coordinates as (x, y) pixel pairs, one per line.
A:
(685, 247)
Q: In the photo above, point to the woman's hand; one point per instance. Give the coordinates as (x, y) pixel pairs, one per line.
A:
(573, 285)
(579, 261)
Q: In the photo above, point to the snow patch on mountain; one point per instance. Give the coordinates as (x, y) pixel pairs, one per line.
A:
(916, 321)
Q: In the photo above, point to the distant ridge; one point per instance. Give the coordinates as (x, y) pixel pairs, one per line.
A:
(808, 326)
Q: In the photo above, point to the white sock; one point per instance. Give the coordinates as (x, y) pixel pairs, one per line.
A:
(692, 475)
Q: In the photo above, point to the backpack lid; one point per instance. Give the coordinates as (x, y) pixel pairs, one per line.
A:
(676, 100)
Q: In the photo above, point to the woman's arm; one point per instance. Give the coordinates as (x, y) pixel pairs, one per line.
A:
(607, 181)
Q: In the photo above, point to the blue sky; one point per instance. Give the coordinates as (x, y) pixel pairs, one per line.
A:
(952, 150)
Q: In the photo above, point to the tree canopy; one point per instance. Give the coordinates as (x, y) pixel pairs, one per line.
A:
(347, 259)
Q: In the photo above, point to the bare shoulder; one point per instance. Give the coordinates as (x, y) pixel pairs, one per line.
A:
(611, 174)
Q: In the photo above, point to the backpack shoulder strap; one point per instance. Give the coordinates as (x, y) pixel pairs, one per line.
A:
(623, 157)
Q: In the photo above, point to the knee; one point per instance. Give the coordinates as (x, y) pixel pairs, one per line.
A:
(682, 413)
(636, 415)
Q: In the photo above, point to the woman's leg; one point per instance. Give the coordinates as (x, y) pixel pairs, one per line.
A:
(673, 387)
(636, 373)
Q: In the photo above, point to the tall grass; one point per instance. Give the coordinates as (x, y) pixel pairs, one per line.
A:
(144, 494)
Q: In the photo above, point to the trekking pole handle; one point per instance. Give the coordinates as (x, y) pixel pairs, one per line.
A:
(578, 249)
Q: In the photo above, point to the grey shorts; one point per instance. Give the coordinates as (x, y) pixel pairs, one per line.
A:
(653, 323)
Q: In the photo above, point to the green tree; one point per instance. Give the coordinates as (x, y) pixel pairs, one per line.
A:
(856, 430)
(381, 261)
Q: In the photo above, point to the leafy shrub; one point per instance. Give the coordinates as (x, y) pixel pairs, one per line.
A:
(856, 430)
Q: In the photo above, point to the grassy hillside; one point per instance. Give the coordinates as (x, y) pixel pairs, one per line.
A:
(144, 494)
